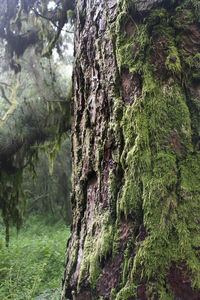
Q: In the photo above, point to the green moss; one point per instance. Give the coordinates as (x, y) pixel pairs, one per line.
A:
(183, 18)
(143, 136)
(129, 290)
(48, 51)
(70, 14)
(113, 294)
(96, 248)
(18, 15)
(193, 63)
(151, 174)
(126, 45)
(161, 170)
(13, 203)
(94, 270)
(158, 16)
(190, 175)
(128, 259)
(194, 4)
(173, 63)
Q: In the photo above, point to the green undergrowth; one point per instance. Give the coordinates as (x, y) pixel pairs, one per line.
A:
(33, 265)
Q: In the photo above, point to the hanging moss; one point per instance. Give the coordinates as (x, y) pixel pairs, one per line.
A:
(19, 148)
(13, 208)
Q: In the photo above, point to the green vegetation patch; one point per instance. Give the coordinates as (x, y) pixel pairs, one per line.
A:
(33, 265)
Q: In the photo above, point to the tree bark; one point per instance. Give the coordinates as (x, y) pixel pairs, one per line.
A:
(136, 159)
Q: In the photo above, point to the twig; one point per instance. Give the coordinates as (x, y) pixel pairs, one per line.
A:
(134, 23)
(4, 95)
(49, 19)
(6, 84)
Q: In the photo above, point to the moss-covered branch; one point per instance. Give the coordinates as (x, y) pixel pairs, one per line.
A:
(21, 28)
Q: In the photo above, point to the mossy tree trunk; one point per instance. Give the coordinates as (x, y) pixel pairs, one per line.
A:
(136, 152)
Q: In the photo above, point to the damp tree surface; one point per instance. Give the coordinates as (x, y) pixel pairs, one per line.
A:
(136, 159)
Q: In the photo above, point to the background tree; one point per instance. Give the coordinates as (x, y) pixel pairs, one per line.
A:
(135, 135)
(33, 92)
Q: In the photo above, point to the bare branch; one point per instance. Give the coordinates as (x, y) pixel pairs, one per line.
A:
(6, 84)
(50, 20)
(4, 95)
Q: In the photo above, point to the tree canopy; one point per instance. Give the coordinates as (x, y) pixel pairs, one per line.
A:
(29, 22)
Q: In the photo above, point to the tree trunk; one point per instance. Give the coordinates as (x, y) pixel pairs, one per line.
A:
(136, 159)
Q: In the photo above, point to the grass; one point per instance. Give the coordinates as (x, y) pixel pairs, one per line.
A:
(33, 265)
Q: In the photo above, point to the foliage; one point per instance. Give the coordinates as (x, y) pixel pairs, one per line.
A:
(50, 193)
(33, 125)
(33, 265)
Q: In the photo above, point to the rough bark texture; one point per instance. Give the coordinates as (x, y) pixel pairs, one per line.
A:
(136, 160)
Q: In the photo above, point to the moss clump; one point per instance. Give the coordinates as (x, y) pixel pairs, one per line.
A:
(194, 5)
(129, 290)
(126, 45)
(173, 63)
(193, 63)
(96, 248)
(70, 14)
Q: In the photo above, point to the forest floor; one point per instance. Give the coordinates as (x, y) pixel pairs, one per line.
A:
(33, 265)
